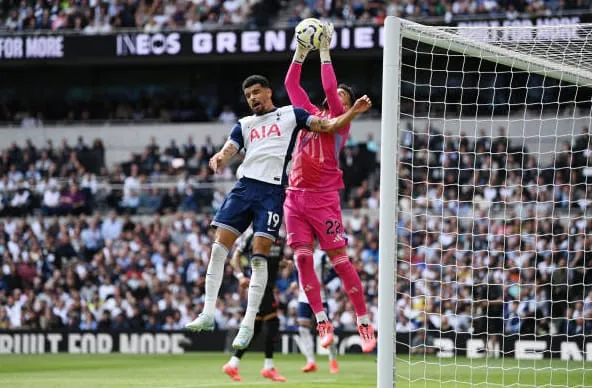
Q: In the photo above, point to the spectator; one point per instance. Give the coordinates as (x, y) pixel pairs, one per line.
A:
(72, 201)
(227, 116)
(111, 228)
(51, 200)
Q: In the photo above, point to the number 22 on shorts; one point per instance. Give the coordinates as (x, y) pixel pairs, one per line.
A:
(333, 227)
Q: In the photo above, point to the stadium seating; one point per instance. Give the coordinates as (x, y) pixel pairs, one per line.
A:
(114, 271)
(434, 12)
(162, 15)
(148, 15)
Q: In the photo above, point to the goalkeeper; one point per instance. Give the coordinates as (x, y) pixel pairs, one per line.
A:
(312, 206)
(267, 315)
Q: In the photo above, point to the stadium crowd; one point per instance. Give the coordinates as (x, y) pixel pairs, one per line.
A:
(73, 179)
(99, 17)
(481, 246)
(348, 12)
(105, 16)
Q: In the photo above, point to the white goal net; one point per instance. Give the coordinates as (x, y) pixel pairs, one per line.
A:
(493, 225)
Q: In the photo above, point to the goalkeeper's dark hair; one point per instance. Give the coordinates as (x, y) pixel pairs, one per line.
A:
(256, 79)
(350, 92)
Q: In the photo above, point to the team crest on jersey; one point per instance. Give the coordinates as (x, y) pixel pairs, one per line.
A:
(258, 133)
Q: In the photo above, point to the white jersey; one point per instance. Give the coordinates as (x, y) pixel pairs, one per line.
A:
(269, 140)
(321, 267)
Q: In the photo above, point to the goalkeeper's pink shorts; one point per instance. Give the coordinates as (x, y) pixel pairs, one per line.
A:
(310, 214)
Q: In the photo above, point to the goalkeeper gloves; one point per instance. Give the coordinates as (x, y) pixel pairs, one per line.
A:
(300, 54)
(324, 49)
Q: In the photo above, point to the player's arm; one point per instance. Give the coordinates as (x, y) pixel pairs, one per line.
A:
(328, 78)
(329, 81)
(234, 144)
(297, 95)
(317, 124)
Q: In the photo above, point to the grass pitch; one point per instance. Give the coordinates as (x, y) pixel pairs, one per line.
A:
(198, 370)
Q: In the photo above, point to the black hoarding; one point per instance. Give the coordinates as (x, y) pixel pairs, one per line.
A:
(235, 45)
(444, 345)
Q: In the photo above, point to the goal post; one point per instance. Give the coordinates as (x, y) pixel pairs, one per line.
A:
(486, 204)
(389, 146)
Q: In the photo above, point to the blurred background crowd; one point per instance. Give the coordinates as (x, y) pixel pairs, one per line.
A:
(105, 16)
(486, 240)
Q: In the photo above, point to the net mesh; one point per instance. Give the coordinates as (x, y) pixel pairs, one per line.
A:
(494, 275)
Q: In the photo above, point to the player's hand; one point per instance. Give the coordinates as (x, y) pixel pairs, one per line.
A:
(300, 54)
(327, 36)
(217, 162)
(362, 104)
(244, 282)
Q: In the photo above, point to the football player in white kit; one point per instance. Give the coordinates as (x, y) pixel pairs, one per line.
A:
(268, 136)
(305, 317)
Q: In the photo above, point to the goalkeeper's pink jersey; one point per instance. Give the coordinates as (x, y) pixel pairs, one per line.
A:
(315, 161)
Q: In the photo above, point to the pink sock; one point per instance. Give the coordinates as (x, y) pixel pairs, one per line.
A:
(351, 282)
(308, 278)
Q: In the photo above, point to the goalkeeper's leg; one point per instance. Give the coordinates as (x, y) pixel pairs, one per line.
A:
(333, 242)
(300, 239)
(353, 286)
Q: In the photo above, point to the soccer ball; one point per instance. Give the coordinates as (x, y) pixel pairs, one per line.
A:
(309, 33)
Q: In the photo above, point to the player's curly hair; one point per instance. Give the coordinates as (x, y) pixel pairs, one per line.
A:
(348, 89)
(256, 79)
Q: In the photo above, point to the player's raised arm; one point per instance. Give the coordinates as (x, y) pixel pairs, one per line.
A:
(328, 78)
(297, 95)
(317, 124)
(234, 144)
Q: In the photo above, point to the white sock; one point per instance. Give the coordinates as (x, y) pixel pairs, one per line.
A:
(322, 317)
(256, 289)
(268, 363)
(214, 276)
(363, 320)
(333, 351)
(306, 343)
(234, 361)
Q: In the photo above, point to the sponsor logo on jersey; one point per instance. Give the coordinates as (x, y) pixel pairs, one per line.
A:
(264, 131)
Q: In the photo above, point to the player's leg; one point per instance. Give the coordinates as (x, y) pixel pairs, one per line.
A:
(268, 314)
(329, 230)
(300, 239)
(353, 286)
(269, 371)
(333, 364)
(231, 367)
(267, 209)
(231, 221)
(305, 318)
(257, 285)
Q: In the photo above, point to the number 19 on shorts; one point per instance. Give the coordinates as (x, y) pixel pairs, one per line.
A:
(273, 221)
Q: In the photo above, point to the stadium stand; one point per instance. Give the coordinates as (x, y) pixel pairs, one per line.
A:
(101, 17)
(94, 17)
(106, 270)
